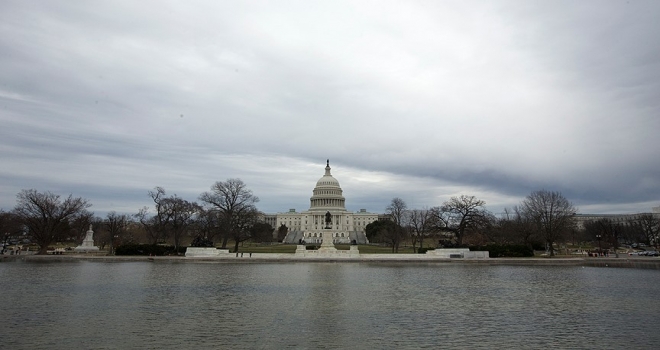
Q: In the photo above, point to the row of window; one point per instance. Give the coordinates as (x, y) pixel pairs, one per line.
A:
(327, 192)
(321, 235)
(327, 201)
(357, 221)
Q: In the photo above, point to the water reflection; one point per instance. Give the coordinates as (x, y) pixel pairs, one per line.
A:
(123, 305)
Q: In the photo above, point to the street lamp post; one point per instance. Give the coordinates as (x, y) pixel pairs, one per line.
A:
(600, 250)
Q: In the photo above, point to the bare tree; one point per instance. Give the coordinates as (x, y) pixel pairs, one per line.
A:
(46, 217)
(397, 211)
(551, 213)
(502, 229)
(79, 226)
(604, 230)
(243, 225)
(154, 225)
(516, 227)
(421, 224)
(179, 217)
(10, 228)
(174, 217)
(116, 226)
(631, 232)
(649, 226)
(461, 214)
(235, 205)
(207, 225)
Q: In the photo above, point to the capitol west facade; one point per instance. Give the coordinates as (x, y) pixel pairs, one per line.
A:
(326, 216)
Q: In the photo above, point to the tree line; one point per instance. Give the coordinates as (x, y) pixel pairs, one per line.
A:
(542, 220)
(610, 234)
(226, 213)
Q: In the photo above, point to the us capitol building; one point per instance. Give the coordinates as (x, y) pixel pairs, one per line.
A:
(327, 214)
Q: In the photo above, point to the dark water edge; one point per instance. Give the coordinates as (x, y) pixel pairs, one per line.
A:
(622, 262)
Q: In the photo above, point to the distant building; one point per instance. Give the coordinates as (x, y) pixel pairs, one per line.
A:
(621, 219)
(270, 219)
(327, 214)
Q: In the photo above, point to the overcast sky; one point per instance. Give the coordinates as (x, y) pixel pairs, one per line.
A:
(421, 100)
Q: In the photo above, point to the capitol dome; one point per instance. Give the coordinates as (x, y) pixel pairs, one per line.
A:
(327, 194)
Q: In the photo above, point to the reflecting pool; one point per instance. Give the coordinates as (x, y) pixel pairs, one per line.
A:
(173, 305)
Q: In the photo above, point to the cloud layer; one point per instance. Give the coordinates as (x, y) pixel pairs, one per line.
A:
(418, 100)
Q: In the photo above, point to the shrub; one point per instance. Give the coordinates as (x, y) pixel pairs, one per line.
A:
(424, 250)
(538, 246)
(148, 249)
(201, 242)
(507, 250)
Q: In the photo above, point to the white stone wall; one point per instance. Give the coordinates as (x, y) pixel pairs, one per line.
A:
(312, 223)
(205, 252)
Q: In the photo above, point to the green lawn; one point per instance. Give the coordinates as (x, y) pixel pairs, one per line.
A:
(258, 248)
(291, 248)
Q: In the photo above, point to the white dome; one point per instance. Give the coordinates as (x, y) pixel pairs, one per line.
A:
(327, 194)
(327, 180)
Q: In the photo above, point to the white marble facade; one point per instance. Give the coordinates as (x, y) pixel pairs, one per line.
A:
(327, 214)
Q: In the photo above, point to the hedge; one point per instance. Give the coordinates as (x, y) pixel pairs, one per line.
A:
(148, 249)
(508, 250)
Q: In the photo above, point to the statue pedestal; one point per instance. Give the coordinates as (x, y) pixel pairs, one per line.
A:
(326, 244)
(88, 243)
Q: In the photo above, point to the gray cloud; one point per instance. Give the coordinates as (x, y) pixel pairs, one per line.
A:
(416, 100)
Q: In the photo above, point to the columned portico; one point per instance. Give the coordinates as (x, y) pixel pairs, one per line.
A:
(327, 221)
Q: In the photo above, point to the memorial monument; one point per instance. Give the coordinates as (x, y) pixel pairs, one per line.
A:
(327, 244)
(88, 243)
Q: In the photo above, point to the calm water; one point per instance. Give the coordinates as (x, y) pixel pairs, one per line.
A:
(136, 305)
